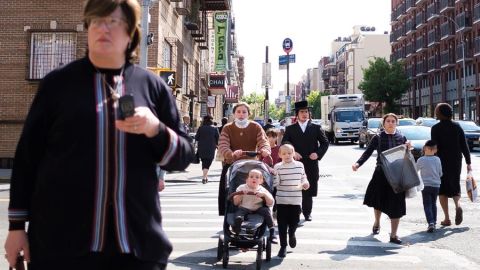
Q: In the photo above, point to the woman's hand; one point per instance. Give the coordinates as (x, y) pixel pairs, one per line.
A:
(297, 156)
(142, 122)
(355, 167)
(313, 156)
(264, 153)
(16, 242)
(408, 144)
(237, 153)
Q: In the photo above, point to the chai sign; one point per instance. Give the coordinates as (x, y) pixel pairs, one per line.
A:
(287, 45)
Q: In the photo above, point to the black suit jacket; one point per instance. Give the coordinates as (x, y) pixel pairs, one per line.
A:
(313, 140)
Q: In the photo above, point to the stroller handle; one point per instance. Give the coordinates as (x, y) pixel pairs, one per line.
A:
(259, 154)
(230, 197)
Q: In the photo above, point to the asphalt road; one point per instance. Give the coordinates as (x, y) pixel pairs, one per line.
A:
(339, 237)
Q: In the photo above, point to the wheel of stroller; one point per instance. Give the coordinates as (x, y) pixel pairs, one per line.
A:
(225, 255)
(219, 249)
(259, 254)
(268, 249)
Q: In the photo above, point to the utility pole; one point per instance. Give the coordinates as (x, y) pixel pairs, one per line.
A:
(267, 81)
(144, 34)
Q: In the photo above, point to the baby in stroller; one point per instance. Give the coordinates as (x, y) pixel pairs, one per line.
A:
(253, 199)
(246, 228)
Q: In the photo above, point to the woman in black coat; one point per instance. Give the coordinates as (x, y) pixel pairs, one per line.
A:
(380, 194)
(451, 145)
(207, 138)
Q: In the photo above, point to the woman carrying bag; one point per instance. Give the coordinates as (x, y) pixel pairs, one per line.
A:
(380, 194)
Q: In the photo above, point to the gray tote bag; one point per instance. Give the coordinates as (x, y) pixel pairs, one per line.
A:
(399, 167)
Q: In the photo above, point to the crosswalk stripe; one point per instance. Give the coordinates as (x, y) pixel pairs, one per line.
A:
(304, 257)
(322, 206)
(203, 212)
(219, 220)
(316, 242)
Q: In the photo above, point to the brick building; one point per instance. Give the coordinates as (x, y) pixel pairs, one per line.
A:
(39, 36)
(427, 36)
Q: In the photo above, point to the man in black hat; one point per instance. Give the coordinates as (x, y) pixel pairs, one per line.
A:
(310, 144)
(268, 125)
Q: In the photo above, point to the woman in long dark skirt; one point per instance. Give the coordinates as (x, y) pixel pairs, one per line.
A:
(451, 145)
(379, 194)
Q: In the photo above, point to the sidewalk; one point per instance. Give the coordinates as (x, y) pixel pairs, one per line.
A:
(194, 173)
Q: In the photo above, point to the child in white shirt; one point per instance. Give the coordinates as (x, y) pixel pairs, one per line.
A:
(253, 203)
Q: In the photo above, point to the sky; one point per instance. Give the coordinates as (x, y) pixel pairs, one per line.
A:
(311, 24)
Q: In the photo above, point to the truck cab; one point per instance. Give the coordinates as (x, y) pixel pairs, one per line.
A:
(344, 116)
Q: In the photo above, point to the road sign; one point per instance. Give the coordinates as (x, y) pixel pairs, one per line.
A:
(287, 104)
(282, 59)
(287, 45)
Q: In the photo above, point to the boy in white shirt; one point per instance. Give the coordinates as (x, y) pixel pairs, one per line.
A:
(253, 203)
(290, 180)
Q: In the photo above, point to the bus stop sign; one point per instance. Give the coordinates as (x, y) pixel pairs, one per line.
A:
(287, 45)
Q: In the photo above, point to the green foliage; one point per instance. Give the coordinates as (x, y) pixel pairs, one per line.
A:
(314, 101)
(275, 112)
(384, 82)
(255, 102)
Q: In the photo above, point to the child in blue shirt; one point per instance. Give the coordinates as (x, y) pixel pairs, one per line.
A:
(430, 169)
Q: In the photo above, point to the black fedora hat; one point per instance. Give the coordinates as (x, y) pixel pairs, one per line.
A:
(301, 105)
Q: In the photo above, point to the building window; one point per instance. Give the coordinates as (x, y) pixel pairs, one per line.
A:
(185, 77)
(50, 50)
(167, 54)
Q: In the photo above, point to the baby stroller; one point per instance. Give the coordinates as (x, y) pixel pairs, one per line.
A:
(253, 229)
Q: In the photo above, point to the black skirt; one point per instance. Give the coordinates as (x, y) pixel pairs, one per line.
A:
(380, 196)
(450, 185)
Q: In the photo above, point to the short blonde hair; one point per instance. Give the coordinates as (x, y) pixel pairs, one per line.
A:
(285, 147)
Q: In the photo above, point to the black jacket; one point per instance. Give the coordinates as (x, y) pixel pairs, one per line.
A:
(313, 140)
(74, 172)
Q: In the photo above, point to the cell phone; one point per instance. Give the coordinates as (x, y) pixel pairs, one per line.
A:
(127, 106)
(20, 265)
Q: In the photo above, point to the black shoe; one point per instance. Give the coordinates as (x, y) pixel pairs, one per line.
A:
(395, 240)
(282, 253)
(204, 180)
(292, 241)
(273, 238)
(237, 226)
(431, 228)
(308, 218)
(375, 230)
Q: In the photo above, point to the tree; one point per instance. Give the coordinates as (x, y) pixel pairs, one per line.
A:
(255, 102)
(276, 112)
(384, 82)
(314, 101)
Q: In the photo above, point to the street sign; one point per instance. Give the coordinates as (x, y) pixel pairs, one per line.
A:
(287, 104)
(287, 45)
(282, 59)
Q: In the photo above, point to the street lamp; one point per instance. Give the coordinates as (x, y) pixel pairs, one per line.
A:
(464, 85)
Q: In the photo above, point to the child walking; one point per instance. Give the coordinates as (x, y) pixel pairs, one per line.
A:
(272, 135)
(430, 169)
(290, 179)
(249, 204)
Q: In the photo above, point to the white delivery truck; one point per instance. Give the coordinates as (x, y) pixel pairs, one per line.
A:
(343, 116)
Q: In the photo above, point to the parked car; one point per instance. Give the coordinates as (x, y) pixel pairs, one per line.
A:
(370, 128)
(472, 133)
(426, 121)
(417, 135)
(406, 122)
